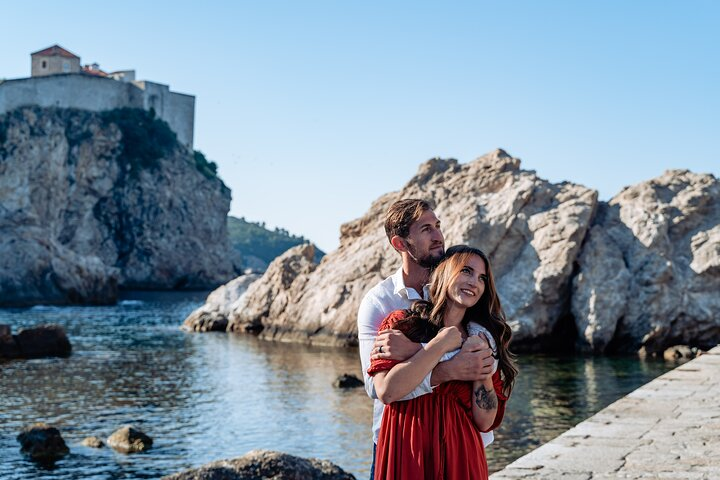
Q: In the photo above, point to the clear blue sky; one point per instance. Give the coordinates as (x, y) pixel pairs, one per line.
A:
(314, 109)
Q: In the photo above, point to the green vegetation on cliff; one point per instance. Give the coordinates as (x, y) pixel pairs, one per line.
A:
(204, 166)
(145, 138)
(253, 239)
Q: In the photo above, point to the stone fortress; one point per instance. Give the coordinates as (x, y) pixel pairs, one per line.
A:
(58, 80)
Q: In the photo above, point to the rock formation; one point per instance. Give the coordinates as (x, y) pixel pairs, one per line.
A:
(262, 309)
(84, 210)
(639, 272)
(649, 272)
(259, 464)
(213, 315)
(531, 229)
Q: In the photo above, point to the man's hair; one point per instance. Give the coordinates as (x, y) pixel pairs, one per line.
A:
(402, 214)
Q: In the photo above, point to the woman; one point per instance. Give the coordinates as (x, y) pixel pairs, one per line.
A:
(437, 436)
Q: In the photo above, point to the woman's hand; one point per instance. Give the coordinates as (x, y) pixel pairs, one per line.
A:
(476, 342)
(449, 338)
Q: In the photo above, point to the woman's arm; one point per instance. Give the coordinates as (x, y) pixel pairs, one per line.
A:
(484, 404)
(484, 399)
(392, 385)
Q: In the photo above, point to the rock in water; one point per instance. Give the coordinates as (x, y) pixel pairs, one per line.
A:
(649, 273)
(8, 345)
(261, 309)
(213, 315)
(129, 439)
(86, 211)
(347, 380)
(93, 442)
(678, 353)
(262, 464)
(42, 442)
(43, 341)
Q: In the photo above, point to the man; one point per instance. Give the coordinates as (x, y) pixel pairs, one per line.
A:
(414, 232)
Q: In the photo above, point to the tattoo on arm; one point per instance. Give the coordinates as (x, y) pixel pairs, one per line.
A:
(485, 399)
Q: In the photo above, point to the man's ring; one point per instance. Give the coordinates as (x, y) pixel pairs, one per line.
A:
(380, 349)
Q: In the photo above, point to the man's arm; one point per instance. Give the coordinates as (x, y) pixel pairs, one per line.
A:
(394, 384)
(474, 363)
(370, 316)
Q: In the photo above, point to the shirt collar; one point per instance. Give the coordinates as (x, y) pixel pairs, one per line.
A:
(399, 288)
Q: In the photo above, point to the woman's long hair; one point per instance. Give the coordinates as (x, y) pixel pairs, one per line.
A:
(426, 318)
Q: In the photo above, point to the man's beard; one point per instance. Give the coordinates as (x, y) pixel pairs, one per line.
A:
(426, 261)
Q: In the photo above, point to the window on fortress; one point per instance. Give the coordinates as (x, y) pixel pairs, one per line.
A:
(66, 67)
(44, 64)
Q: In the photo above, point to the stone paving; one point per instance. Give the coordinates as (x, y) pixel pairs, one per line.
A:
(668, 428)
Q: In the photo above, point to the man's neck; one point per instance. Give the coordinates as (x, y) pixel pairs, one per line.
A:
(414, 276)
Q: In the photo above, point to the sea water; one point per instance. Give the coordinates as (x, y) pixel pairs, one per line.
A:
(212, 396)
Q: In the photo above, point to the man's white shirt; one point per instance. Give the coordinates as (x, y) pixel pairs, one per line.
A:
(387, 296)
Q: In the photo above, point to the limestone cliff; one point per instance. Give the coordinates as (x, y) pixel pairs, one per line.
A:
(531, 229)
(649, 272)
(641, 272)
(85, 209)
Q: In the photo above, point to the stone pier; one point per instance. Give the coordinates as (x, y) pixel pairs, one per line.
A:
(668, 428)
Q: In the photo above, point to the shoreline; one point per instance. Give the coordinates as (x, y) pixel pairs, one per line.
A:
(665, 428)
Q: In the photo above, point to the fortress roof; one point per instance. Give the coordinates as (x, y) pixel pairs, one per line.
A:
(55, 50)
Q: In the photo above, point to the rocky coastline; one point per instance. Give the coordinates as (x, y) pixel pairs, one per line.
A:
(638, 273)
(97, 202)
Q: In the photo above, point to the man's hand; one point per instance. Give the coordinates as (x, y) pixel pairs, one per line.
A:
(393, 344)
(473, 363)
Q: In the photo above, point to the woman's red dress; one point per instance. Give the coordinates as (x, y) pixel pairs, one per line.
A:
(433, 436)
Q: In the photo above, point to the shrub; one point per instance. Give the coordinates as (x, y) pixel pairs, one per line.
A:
(204, 166)
(145, 139)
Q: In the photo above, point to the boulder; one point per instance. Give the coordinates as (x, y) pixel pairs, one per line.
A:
(262, 464)
(679, 352)
(648, 276)
(9, 347)
(43, 341)
(214, 314)
(347, 380)
(93, 442)
(129, 439)
(261, 309)
(42, 442)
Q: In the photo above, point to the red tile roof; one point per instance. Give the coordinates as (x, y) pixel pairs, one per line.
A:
(91, 71)
(55, 50)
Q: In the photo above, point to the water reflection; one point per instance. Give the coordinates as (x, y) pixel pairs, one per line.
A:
(553, 394)
(204, 397)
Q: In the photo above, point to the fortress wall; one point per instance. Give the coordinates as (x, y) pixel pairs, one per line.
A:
(67, 91)
(177, 109)
(180, 114)
(97, 94)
